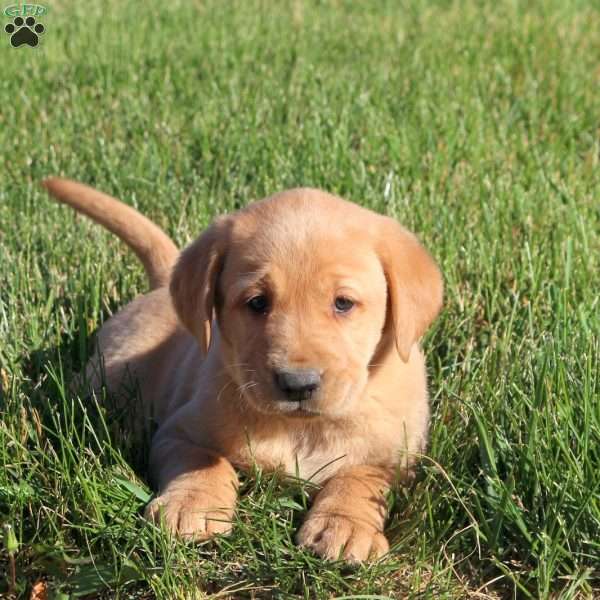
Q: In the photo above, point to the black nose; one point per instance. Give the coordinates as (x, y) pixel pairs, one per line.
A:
(298, 384)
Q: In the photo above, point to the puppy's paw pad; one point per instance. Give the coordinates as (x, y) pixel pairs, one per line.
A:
(24, 31)
(333, 537)
(195, 517)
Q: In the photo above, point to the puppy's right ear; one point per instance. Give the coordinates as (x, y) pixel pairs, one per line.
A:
(195, 277)
(415, 286)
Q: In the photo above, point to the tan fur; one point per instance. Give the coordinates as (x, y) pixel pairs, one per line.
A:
(205, 363)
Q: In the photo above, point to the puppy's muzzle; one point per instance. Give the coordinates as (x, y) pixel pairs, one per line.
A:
(298, 384)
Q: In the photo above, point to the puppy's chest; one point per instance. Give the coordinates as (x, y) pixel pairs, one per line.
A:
(305, 454)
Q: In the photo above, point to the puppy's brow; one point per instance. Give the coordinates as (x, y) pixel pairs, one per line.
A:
(245, 281)
(347, 285)
(258, 273)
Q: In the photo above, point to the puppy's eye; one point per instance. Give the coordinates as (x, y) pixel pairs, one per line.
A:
(343, 304)
(258, 304)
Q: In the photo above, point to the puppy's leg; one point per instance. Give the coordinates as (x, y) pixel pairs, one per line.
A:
(348, 516)
(197, 489)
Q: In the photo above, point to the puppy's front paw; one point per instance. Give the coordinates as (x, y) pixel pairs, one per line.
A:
(332, 536)
(191, 515)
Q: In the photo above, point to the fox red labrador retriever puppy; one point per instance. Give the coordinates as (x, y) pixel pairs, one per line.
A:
(286, 335)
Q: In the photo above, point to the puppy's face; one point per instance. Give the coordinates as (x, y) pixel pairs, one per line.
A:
(299, 325)
(304, 286)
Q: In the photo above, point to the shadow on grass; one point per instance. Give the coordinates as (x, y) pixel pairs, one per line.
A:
(72, 457)
(53, 380)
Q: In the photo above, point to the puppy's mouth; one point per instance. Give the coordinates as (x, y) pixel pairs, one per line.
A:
(274, 402)
(268, 399)
(296, 408)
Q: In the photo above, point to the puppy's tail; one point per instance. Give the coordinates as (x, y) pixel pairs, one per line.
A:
(150, 243)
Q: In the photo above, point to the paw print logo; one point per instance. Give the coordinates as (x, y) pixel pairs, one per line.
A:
(24, 31)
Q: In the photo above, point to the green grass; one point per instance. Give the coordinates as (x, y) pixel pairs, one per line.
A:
(475, 124)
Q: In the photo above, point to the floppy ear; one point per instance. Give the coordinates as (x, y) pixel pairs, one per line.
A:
(415, 287)
(194, 281)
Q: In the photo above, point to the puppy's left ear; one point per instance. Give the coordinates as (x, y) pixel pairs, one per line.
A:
(415, 286)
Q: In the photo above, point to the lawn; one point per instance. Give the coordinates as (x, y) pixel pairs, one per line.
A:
(475, 124)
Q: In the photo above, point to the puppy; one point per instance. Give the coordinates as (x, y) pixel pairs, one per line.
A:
(286, 335)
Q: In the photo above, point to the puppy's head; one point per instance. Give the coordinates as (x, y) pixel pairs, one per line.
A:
(305, 287)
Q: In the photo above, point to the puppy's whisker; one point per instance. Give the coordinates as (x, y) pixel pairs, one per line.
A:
(246, 386)
(222, 390)
(230, 366)
(242, 389)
